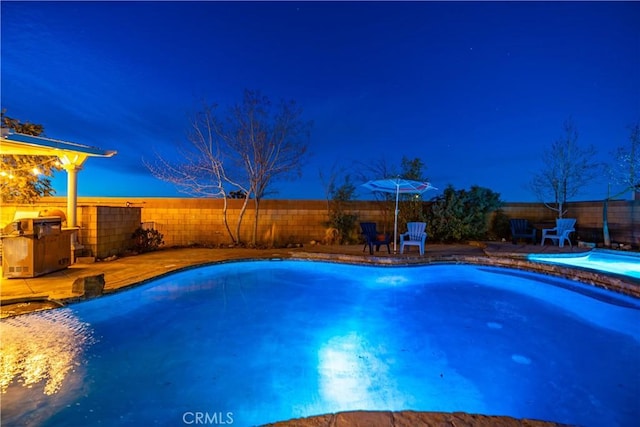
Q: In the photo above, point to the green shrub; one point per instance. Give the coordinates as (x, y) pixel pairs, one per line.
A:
(339, 216)
(411, 210)
(147, 240)
(500, 228)
(461, 215)
(345, 223)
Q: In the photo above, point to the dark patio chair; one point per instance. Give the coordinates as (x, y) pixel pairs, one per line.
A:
(373, 238)
(522, 229)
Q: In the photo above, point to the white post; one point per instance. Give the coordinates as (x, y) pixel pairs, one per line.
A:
(395, 222)
(72, 194)
(72, 204)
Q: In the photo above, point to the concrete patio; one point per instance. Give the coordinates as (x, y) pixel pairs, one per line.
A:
(21, 295)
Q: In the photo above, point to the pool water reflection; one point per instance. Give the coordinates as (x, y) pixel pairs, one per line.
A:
(263, 341)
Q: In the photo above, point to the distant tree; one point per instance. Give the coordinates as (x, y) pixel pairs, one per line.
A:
(23, 178)
(412, 205)
(329, 178)
(26, 128)
(246, 148)
(625, 172)
(373, 169)
(333, 190)
(381, 169)
(412, 169)
(378, 169)
(567, 168)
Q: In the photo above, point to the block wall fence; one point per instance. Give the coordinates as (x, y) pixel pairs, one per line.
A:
(106, 224)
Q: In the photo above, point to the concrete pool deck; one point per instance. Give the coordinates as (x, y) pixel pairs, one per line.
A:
(20, 296)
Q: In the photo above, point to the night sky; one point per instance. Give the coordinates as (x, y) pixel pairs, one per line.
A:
(476, 90)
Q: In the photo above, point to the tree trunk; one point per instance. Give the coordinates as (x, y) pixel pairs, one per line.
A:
(605, 224)
(226, 221)
(560, 210)
(256, 203)
(242, 211)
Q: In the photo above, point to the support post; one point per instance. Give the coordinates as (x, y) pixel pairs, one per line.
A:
(72, 194)
(72, 169)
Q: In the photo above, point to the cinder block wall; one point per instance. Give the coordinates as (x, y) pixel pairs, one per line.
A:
(189, 221)
(107, 223)
(113, 229)
(623, 218)
(534, 212)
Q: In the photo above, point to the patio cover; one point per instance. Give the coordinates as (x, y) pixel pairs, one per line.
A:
(70, 154)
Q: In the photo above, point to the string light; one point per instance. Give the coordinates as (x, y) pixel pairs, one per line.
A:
(35, 170)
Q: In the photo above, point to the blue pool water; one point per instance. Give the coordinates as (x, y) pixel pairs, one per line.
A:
(622, 263)
(255, 342)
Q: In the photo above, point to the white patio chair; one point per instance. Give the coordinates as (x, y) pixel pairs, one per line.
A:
(561, 232)
(415, 236)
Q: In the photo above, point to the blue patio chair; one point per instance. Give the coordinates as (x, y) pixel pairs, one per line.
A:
(415, 236)
(561, 232)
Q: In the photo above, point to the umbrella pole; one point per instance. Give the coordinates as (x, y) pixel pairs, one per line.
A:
(395, 223)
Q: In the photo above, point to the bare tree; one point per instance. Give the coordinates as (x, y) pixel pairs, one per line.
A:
(626, 173)
(567, 169)
(245, 149)
(200, 166)
(270, 142)
(329, 178)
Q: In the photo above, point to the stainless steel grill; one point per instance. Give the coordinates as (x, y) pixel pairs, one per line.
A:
(35, 246)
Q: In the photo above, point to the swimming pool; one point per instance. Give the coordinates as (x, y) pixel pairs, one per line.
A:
(262, 341)
(622, 263)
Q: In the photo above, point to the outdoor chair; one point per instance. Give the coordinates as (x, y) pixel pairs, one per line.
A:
(522, 229)
(415, 236)
(560, 233)
(373, 238)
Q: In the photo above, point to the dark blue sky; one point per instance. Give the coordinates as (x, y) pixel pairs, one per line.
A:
(476, 90)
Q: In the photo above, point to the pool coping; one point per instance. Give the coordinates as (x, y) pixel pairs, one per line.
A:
(411, 418)
(610, 281)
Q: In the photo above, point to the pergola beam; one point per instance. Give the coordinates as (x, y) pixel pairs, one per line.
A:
(71, 155)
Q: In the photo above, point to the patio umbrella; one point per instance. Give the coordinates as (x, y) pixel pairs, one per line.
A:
(398, 186)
